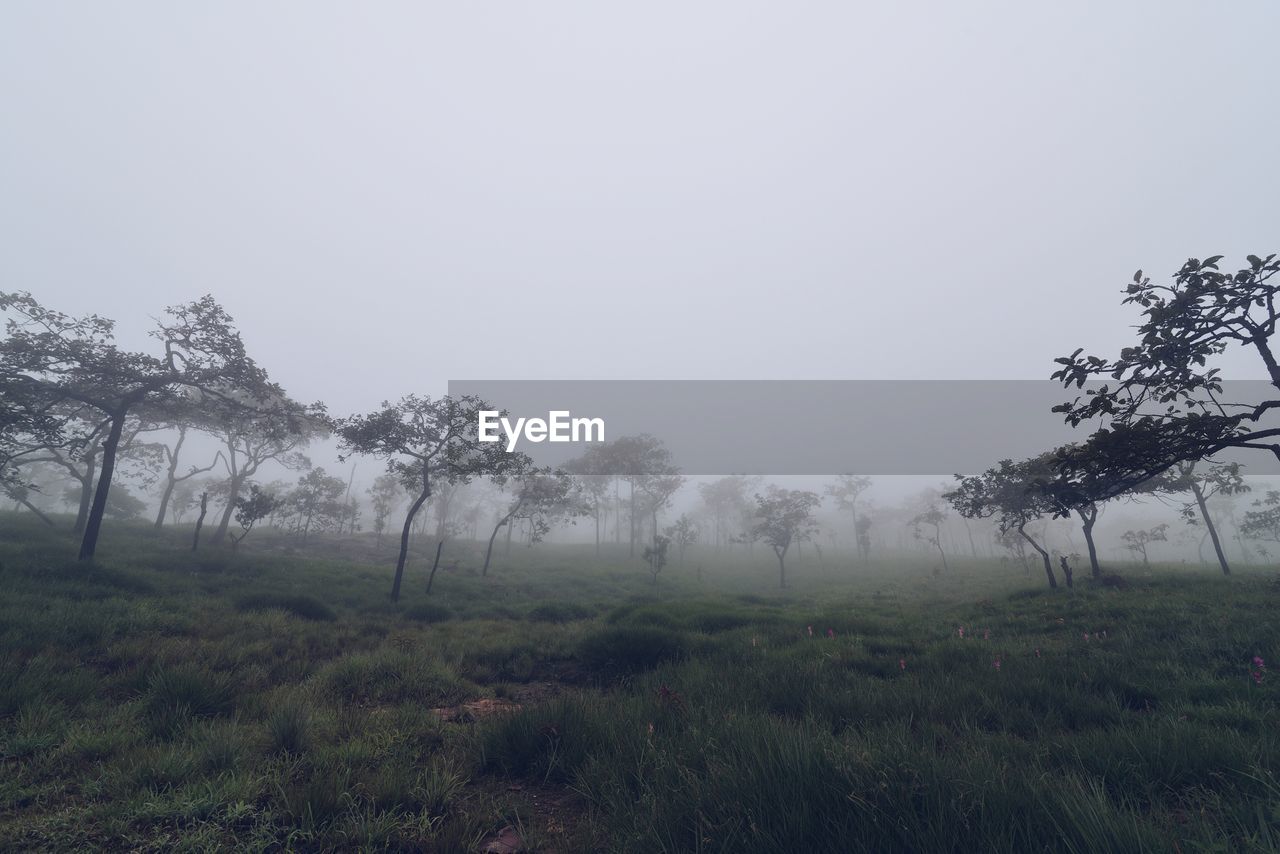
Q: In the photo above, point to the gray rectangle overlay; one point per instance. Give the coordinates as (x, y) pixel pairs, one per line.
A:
(820, 427)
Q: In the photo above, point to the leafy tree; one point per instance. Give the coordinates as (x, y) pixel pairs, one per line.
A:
(251, 509)
(728, 501)
(656, 556)
(645, 464)
(846, 491)
(1205, 482)
(317, 502)
(253, 438)
(1160, 399)
(594, 478)
(684, 533)
(783, 517)
(50, 359)
(1137, 541)
(385, 494)
(1263, 523)
(423, 439)
(539, 497)
(927, 526)
(1014, 495)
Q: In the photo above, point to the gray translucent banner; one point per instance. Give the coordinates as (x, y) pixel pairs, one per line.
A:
(813, 427)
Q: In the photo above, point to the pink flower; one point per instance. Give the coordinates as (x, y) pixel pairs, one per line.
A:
(650, 729)
(1086, 635)
(902, 664)
(1259, 663)
(961, 632)
(1257, 677)
(831, 633)
(986, 635)
(996, 663)
(1037, 652)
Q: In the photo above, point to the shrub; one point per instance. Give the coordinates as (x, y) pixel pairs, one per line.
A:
(427, 612)
(560, 612)
(630, 648)
(390, 677)
(307, 607)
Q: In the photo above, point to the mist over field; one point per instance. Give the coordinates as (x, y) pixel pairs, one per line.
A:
(592, 427)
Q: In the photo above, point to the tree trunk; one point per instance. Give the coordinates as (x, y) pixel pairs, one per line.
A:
(782, 568)
(36, 510)
(1044, 555)
(93, 525)
(488, 552)
(233, 492)
(204, 507)
(404, 534)
(86, 491)
(1087, 522)
(1208, 523)
(170, 480)
(434, 565)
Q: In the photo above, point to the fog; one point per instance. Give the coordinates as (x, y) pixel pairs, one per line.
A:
(387, 200)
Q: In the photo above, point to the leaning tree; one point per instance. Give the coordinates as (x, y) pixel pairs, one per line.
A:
(49, 359)
(539, 497)
(1160, 401)
(1013, 494)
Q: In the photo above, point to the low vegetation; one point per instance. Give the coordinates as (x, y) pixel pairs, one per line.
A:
(164, 701)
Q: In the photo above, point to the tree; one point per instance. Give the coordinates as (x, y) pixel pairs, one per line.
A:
(317, 502)
(683, 533)
(422, 439)
(254, 437)
(50, 359)
(862, 530)
(385, 494)
(250, 509)
(1161, 400)
(784, 516)
(656, 556)
(592, 473)
(927, 526)
(172, 478)
(539, 497)
(1264, 523)
(1137, 541)
(1014, 495)
(644, 464)
(728, 502)
(846, 491)
(1204, 483)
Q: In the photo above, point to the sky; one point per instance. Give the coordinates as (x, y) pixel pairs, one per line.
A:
(387, 196)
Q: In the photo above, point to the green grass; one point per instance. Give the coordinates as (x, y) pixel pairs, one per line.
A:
(274, 699)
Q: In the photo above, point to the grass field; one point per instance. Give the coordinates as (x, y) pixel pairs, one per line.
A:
(160, 700)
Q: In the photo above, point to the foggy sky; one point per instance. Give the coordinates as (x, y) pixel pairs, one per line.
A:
(387, 196)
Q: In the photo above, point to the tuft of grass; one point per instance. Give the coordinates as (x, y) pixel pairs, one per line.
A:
(176, 695)
(289, 728)
(560, 612)
(300, 605)
(628, 649)
(427, 612)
